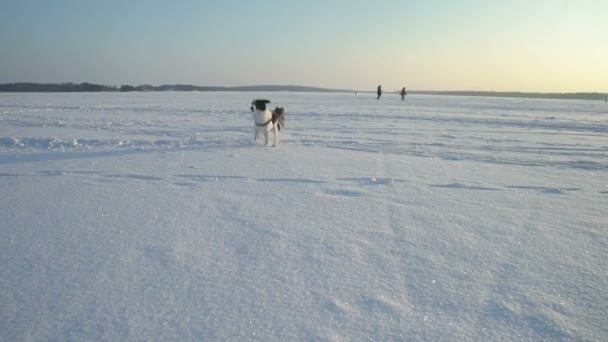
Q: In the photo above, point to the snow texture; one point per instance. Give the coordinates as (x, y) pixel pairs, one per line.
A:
(154, 216)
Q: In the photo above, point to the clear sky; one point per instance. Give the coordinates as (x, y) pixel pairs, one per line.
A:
(526, 45)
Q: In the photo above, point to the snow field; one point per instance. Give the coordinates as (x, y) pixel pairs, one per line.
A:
(153, 216)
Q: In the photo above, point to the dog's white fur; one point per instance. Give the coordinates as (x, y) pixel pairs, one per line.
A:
(261, 117)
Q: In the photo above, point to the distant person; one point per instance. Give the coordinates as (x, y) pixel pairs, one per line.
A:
(403, 93)
(379, 92)
(355, 93)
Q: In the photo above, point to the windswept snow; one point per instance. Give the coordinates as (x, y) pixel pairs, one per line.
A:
(153, 216)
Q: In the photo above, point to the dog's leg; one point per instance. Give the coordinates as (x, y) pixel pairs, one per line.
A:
(266, 137)
(276, 135)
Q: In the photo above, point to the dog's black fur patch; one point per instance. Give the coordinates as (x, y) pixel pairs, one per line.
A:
(259, 104)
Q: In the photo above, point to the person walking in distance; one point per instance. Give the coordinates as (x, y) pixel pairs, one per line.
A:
(403, 93)
(379, 92)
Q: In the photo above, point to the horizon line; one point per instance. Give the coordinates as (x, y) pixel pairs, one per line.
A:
(306, 86)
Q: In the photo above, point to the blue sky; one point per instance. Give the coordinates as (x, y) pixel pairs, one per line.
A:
(535, 45)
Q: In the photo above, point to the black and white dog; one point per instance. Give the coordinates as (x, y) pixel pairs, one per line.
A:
(266, 120)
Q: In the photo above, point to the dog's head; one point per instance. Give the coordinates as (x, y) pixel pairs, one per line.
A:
(279, 110)
(259, 105)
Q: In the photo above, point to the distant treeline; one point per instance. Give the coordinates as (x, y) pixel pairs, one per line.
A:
(88, 87)
(54, 87)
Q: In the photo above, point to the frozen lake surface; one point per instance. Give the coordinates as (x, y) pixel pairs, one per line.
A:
(154, 216)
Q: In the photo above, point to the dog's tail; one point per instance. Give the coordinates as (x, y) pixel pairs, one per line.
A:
(281, 121)
(278, 117)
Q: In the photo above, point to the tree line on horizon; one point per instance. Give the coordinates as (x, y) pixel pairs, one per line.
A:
(55, 87)
(92, 87)
(85, 87)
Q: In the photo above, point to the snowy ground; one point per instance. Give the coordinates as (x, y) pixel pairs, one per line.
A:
(152, 216)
